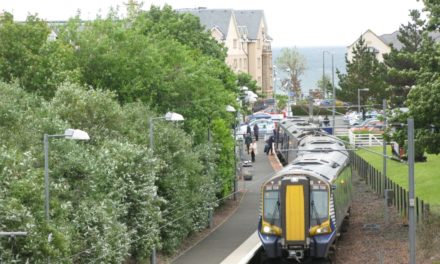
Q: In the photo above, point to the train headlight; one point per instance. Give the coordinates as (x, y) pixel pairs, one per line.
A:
(324, 228)
(270, 229)
(267, 229)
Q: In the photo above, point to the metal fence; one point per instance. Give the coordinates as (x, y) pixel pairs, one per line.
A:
(399, 197)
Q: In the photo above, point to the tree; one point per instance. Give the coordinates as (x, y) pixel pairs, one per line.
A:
(185, 28)
(403, 65)
(422, 100)
(245, 79)
(433, 9)
(364, 71)
(325, 87)
(295, 64)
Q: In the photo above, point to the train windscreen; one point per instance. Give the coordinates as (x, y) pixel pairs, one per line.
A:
(271, 207)
(318, 207)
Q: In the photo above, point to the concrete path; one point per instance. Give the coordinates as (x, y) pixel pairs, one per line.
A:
(226, 238)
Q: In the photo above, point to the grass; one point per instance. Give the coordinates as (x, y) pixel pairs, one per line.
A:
(427, 174)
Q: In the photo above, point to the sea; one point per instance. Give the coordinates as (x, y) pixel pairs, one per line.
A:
(314, 62)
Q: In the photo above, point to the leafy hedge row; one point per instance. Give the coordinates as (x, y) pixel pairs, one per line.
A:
(302, 110)
(112, 197)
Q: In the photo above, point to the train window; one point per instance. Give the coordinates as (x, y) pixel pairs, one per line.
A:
(318, 206)
(271, 207)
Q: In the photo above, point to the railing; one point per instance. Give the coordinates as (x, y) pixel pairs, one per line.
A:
(400, 198)
(365, 139)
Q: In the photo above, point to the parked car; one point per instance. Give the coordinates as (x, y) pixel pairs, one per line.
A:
(265, 126)
(370, 126)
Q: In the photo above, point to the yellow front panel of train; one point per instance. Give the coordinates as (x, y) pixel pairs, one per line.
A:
(295, 225)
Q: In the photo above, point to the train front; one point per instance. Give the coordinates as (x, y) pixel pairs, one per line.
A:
(295, 222)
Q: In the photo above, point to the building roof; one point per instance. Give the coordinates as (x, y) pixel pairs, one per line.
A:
(391, 39)
(212, 18)
(250, 19)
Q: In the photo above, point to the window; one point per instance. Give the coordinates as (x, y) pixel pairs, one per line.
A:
(318, 206)
(271, 207)
(258, 44)
(259, 63)
(235, 63)
(240, 63)
(235, 43)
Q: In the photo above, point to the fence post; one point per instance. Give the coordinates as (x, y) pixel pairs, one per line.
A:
(425, 212)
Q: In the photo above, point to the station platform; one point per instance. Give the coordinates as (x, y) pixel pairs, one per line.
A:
(239, 228)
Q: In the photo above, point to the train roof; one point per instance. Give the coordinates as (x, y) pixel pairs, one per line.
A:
(298, 127)
(322, 143)
(322, 156)
(324, 166)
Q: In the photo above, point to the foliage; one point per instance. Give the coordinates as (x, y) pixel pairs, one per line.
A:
(27, 55)
(112, 198)
(245, 79)
(185, 28)
(295, 63)
(364, 71)
(433, 9)
(304, 110)
(281, 101)
(326, 86)
(403, 65)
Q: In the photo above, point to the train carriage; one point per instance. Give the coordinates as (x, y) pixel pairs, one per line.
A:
(305, 205)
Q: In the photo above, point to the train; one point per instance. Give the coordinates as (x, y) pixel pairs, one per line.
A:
(306, 205)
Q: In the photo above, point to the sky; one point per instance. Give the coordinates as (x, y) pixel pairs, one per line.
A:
(291, 23)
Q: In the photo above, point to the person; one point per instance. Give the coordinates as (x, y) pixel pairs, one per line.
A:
(326, 121)
(248, 129)
(320, 120)
(253, 148)
(269, 145)
(363, 113)
(248, 141)
(256, 131)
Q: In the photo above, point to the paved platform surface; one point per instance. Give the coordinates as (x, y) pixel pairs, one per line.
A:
(242, 224)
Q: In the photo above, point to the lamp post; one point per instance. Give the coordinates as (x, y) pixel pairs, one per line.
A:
(74, 134)
(170, 116)
(359, 97)
(289, 93)
(231, 109)
(275, 88)
(333, 86)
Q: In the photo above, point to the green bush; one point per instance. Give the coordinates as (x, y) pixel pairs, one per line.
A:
(302, 110)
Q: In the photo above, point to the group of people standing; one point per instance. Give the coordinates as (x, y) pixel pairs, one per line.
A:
(251, 143)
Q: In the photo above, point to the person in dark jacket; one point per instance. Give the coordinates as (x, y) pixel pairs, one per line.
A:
(248, 141)
(326, 121)
(248, 129)
(256, 131)
(269, 143)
